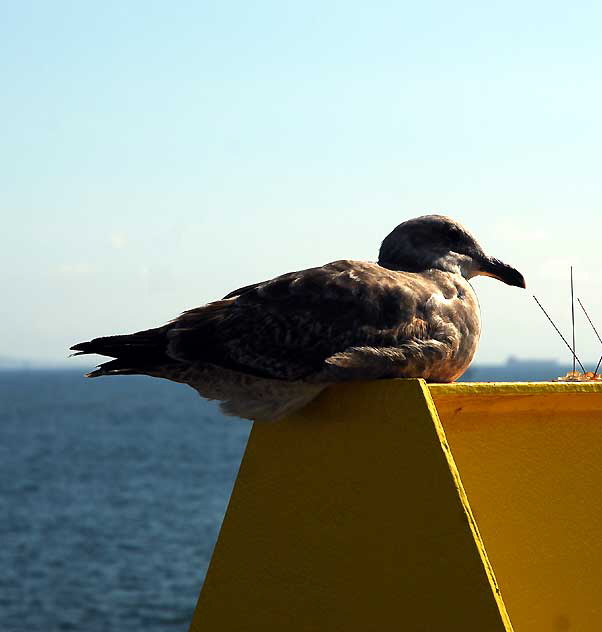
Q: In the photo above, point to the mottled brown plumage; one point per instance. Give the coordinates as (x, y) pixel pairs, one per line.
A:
(269, 348)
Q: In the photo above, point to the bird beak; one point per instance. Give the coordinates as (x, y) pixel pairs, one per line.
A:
(502, 272)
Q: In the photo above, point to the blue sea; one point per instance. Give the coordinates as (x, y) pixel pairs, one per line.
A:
(112, 492)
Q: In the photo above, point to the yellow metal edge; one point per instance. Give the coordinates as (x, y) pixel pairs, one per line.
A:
(513, 388)
(466, 505)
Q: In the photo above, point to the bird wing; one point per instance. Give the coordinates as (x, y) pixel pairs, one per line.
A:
(288, 328)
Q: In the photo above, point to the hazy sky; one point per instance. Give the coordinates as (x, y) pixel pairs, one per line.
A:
(156, 155)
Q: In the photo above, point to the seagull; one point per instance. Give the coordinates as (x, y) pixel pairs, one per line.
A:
(267, 349)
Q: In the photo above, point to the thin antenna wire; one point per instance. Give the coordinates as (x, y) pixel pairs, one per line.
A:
(595, 331)
(558, 332)
(573, 318)
(590, 320)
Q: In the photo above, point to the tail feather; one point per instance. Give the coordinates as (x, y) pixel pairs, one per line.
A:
(115, 367)
(127, 344)
(133, 353)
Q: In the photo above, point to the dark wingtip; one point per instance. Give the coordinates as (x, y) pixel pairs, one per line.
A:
(80, 346)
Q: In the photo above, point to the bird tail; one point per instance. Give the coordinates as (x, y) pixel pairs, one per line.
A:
(133, 354)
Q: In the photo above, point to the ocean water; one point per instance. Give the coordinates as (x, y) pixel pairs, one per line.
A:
(112, 492)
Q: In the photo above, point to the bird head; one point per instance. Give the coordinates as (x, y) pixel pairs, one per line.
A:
(439, 242)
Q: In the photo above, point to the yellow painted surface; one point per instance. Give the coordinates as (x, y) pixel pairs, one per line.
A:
(530, 458)
(350, 516)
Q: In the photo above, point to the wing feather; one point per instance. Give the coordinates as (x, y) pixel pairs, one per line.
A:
(288, 327)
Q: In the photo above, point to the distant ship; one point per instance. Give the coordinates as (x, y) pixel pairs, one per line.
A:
(517, 370)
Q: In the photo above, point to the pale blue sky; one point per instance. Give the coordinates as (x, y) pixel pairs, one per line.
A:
(155, 155)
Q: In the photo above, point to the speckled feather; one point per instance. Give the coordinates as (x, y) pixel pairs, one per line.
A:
(317, 323)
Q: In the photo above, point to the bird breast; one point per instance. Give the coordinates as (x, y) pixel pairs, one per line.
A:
(454, 318)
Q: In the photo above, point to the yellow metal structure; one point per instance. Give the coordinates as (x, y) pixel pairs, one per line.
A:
(530, 458)
(351, 516)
